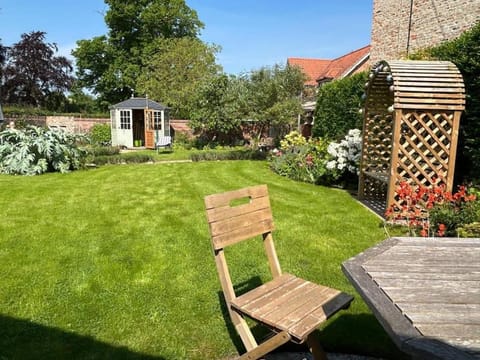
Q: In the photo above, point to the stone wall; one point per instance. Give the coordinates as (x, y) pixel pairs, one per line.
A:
(397, 31)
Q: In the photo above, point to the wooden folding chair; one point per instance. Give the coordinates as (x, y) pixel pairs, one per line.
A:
(289, 306)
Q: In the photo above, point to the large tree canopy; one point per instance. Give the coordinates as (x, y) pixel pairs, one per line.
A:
(267, 98)
(32, 74)
(173, 71)
(110, 65)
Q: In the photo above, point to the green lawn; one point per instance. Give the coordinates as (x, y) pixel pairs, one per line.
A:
(116, 262)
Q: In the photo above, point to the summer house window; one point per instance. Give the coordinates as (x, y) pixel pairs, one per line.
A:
(125, 122)
(157, 120)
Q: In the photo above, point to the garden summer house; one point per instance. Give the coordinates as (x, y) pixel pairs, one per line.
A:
(410, 132)
(139, 122)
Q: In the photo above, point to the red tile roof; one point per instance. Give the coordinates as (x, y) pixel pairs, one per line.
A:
(311, 67)
(318, 69)
(346, 64)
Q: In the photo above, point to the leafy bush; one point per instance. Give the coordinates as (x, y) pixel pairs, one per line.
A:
(301, 160)
(294, 138)
(35, 150)
(318, 160)
(244, 154)
(100, 134)
(184, 141)
(337, 107)
(463, 52)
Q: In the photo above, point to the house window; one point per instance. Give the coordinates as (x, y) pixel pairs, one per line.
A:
(157, 120)
(125, 122)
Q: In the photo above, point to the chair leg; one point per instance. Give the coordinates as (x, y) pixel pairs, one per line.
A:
(267, 346)
(315, 348)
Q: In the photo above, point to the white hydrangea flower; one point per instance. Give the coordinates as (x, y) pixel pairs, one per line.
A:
(346, 153)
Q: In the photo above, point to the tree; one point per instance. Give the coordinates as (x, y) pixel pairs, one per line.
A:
(174, 68)
(3, 52)
(33, 75)
(275, 97)
(217, 111)
(268, 97)
(109, 65)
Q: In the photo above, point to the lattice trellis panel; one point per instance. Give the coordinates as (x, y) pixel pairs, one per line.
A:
(411, 118)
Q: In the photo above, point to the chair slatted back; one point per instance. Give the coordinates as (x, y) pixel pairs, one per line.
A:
(230, 223)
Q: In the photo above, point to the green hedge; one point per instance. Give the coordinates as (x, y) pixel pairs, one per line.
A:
(247, 154)
(338, 104)
(127, 158)
(465, 53)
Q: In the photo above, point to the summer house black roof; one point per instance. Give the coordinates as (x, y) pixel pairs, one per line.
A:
(139, 103)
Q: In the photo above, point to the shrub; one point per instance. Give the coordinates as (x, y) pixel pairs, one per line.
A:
(183, 140)
(301, 160)
(104, 150)
(292, 139)
(100, 134)
(463, 52)
(244, 154)
(469, 230)
(35, 150)
(337, 107)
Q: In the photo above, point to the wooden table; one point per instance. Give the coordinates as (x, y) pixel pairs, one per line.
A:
(425, 292)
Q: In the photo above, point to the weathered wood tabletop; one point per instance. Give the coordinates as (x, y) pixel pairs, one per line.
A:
(425, 292)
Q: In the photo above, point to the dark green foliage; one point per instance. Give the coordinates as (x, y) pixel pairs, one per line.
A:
(337, 107)
(100, 134)
(247, 154)
(35, 150)
(33, 75)
(465, 53)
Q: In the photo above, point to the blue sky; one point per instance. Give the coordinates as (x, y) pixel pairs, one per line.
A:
(252, 33)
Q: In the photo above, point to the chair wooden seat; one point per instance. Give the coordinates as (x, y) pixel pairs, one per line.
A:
(291, 307)
(288, 303)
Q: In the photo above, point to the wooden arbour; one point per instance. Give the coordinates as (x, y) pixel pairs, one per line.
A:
(410, 131)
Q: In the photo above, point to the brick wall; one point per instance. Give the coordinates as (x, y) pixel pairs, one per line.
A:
(74, 124)
(432, 22)
(69, 123)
